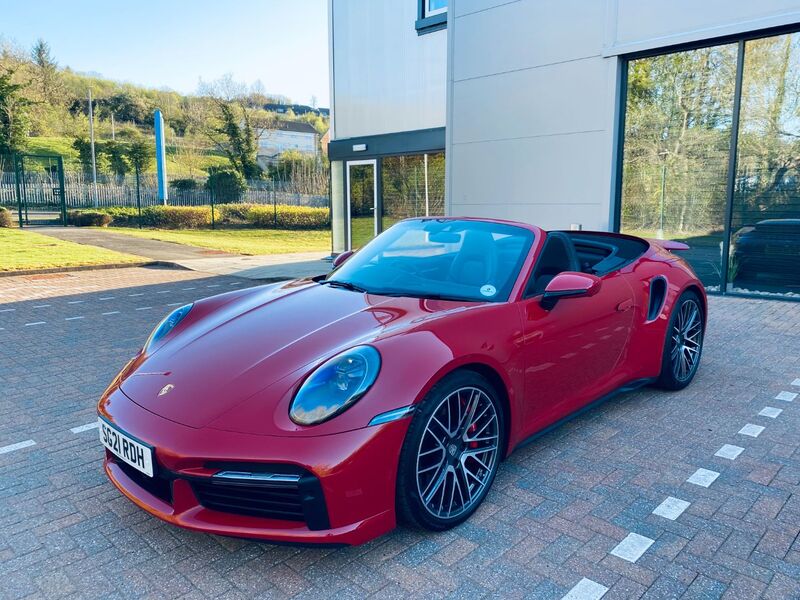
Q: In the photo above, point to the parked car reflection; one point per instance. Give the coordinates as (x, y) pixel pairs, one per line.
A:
(769, 249)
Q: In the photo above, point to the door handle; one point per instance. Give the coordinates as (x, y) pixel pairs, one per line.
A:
(625, 305)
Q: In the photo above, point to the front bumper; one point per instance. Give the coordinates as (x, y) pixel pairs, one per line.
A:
(345, 483)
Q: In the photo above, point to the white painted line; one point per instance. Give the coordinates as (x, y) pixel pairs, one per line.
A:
(144, 308)
(35, 323)
(42, 305)
(751, 430)
(76, 302)
(796, 382)
(8, 310)
(73, 318)
(164, 292)
(632, 547)
(786, 396)
(671, 508)
(134, 295)
(17, 446)
(240, 283)
(771, 412)
(586, 589)
(107, 298)
(174, 304)
(87, 427)
(189, 288)
(728, 451)
(703, 477)
(214, 285)
(113, 312)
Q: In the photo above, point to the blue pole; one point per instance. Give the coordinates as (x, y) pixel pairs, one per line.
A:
(161, 157)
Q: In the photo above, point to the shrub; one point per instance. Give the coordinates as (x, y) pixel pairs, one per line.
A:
(184, 185)
(176, 217)
(225, 185)
(88, 218)
(302, 217)
(123, 216)
(233, 214)
(6, 219)
(284, 216)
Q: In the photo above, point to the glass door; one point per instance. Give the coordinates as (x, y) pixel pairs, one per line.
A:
(362, 194)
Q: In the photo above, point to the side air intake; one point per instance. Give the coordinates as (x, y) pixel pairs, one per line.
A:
(658, 293)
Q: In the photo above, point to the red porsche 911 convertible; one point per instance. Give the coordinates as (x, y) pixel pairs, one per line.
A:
(325, 410)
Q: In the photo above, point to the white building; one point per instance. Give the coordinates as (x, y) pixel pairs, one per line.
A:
(668, 119)
(284, 136)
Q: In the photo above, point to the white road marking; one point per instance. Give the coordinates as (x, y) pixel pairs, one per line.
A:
(729, 451)
(8, 310)
(134, 295)
(771, 412)
(586, 589)
(671, 508)
(175, 303)
(76, 302)
(796, 382)
(42, 305)
(35, 323)
(144, 308)
(189, 288)
(107, 298)
(113, 312)
(87, 427)
(164, 292)
(73, 318)
(240, 283)
(632, 547)
(17, 446)
(751, 430)
(703, 477)
(214, 285)
(786, 396)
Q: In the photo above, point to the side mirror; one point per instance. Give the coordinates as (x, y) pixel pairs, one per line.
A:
(340, 258)
(569, 284)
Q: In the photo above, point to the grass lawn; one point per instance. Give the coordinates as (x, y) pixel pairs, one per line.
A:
(24, 250)
(240, 241)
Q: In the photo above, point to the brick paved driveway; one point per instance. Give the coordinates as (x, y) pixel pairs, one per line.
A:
(561, 513)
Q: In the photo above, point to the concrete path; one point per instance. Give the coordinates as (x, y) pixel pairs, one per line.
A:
(270, 267)
(153, 249)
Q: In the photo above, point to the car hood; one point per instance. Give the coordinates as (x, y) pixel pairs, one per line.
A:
(262, 342)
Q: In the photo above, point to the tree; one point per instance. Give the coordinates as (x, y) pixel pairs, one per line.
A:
(46, 71)
(116, 153)
(140, 154)
(84, 148)
(225, 184)
(231, 126)
(14, 114)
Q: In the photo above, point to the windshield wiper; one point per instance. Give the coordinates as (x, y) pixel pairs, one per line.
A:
(426, 296)
(343, 284)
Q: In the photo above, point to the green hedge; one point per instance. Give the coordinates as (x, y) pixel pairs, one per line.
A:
(6, 219)
(88, 218)
(281, 216)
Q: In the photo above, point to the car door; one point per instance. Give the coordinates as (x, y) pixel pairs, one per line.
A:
(571, 350)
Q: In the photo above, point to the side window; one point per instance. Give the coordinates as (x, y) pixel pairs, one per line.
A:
(431, 15)
(558, 255)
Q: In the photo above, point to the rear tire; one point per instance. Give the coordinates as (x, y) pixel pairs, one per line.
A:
(683, 346)
(451, 453)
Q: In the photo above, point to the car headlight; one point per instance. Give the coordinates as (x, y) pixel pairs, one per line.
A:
(335, 385)
(167, 325)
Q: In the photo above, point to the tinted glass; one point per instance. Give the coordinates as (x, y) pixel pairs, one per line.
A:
(765, 220)
(413, 186)
(460, 260)
(677, 142)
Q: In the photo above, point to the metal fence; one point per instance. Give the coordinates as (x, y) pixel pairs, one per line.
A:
(37, 189)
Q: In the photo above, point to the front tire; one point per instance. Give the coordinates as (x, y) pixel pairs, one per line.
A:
(683, 346)
(451, 452)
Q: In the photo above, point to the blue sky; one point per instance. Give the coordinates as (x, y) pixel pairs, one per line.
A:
(174, 43)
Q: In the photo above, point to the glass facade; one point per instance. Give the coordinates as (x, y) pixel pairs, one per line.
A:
(370, 195)
(683, 135)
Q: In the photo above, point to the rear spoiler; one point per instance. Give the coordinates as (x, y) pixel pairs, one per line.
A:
(671, 245)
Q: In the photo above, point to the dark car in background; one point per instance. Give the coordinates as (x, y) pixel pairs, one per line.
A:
(770, 248)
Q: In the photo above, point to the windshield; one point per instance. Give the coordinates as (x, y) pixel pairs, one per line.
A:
(439, 258)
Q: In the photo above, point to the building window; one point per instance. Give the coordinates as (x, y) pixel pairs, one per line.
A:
(431, 15)
(726, 182)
